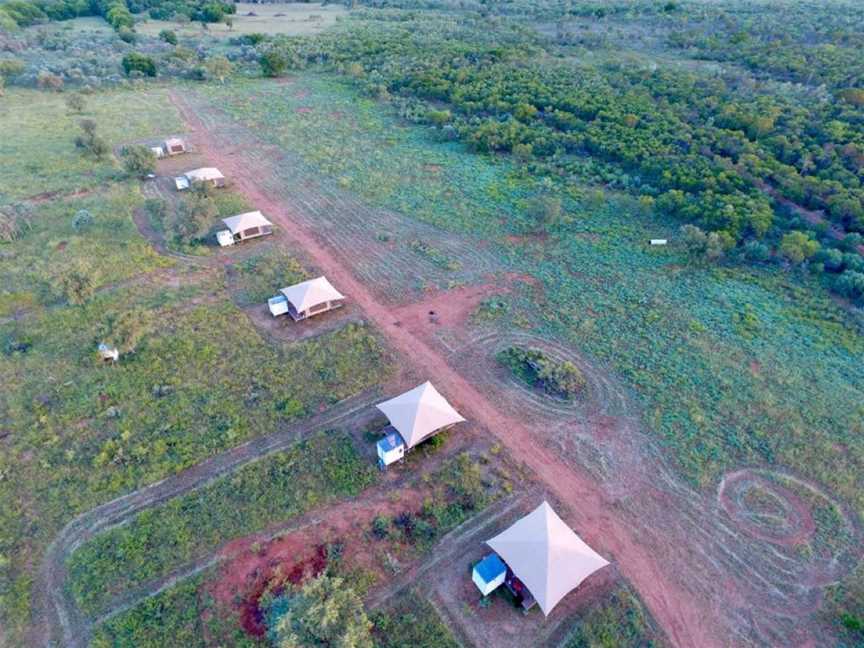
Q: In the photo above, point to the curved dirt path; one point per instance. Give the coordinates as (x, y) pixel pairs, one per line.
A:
(688, 622)
(52, 603)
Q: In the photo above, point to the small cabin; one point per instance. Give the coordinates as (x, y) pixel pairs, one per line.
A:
(390, 449)
(659, 241)
(489, 574)
(305, 299)
(242, 227)
(173, 146)
(108, 353)
(204, 175)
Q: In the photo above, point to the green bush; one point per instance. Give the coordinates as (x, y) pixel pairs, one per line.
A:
(135, 62)
(556, 377)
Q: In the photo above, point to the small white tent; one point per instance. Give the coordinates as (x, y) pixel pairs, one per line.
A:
(419, 413)
(545, 554)
(306, 298)
(244, 226)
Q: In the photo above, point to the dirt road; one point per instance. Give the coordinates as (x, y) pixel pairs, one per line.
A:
(687, 621)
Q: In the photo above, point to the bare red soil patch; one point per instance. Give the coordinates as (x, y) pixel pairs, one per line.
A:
(255, 564)
(446, 307)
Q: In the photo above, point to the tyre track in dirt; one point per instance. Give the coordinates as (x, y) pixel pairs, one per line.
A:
(686, 620)
(53, 605)
(371, 501)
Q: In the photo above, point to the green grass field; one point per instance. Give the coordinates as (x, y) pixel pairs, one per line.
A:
(110, 248)
(76, 433)
(37, 131)
(280, 487)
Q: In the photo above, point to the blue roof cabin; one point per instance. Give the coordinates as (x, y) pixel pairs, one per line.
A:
(390, 449)
(489, 573)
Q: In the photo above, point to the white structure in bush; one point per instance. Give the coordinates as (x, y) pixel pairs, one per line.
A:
(414, 416)
(306, 299)
(243, 226)
(204, 175)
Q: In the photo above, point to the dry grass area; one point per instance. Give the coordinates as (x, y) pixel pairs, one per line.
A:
(290, 19)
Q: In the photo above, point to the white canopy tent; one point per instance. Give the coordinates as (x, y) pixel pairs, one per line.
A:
(419, 413)
(306, 295)
(249, 220)
(545, 554)
(204, 174)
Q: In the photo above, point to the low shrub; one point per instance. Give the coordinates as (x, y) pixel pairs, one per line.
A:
(556, 377)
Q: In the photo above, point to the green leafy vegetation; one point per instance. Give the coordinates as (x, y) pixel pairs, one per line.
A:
(459, 489)
(260, 276)
(621, 621)
(411, 622)
(325, 611)
(272, 490)
(534, 367)
(36, 131)
(178, 611)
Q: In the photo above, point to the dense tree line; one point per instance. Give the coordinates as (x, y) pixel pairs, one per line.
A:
(714, 151)
(118, 13)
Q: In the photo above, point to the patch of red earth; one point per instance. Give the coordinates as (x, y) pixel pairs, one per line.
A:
(304, 110)
(688, 620)
(47, 196)
(755, 367)
(446, 307)
(254, 565)
(61, 246)
(301, 94)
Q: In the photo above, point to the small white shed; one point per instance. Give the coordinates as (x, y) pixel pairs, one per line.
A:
(489, 574)
(390, 449)
(659, 241)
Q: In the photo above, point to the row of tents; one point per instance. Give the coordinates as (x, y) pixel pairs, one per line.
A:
(539, 559)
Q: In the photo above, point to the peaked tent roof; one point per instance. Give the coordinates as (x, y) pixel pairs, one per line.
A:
(171, 141)
(204, 173)
(546, 555)
(242, 222)
(419, 413)
(308, 294)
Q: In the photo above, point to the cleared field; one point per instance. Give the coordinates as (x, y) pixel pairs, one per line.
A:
(290, 19)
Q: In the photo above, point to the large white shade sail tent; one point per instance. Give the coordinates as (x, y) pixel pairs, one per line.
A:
(307, 295)
(546, 555)
(419, 413)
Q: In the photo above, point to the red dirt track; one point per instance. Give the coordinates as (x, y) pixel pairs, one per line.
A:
(687, 621)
